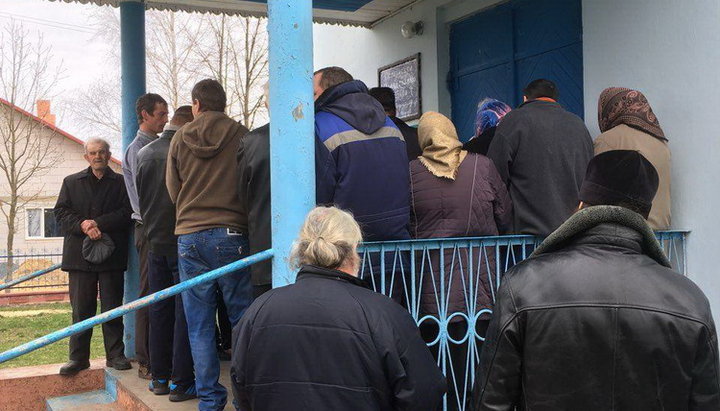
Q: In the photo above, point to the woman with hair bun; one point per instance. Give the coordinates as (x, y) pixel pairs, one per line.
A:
(328, 342)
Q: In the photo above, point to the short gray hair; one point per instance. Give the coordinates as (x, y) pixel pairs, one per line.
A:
(328, 238)
(96, 140)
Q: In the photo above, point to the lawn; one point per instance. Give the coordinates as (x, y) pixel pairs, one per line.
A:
(35, 321)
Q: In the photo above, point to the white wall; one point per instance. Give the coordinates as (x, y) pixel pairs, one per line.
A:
(362, 51)
(670, 51)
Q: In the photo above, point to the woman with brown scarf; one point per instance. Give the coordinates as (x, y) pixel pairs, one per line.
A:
(454, 194)
(627, 122)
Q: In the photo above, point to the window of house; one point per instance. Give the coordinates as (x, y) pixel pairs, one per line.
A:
(41, 223)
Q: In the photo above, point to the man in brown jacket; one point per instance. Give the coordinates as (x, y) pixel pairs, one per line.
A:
(202, 181)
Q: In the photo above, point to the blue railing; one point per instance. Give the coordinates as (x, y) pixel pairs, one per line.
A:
(449, 287)
(132, 306)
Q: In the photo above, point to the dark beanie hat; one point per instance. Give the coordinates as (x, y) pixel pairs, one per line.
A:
(620, 177)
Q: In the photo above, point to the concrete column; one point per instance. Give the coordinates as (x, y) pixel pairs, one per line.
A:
(132, 61)
(292, 126)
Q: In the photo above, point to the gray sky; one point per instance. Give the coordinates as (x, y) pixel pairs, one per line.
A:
(64, 27)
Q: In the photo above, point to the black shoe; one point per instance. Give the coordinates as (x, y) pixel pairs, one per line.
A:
(178, 394)
(74, 367)
(119, 363)
(159, 387)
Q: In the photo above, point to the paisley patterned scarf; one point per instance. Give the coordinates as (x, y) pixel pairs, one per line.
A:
(619, 105)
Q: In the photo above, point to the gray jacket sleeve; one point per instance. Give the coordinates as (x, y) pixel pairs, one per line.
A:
(129, 166)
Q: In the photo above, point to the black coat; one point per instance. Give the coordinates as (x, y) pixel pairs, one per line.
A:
(410, 135)
(595, 320)
(481, 143)
(156, 208)
(254, 193)
(328, 343)
(541, 152)
(107, 203)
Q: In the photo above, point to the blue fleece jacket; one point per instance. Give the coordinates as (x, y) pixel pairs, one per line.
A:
(361, 162)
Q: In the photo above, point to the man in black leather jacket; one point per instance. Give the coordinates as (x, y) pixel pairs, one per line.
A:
(596, 319)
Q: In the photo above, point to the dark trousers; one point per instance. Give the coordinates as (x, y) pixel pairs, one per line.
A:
(83, 299)
(170, 356)
(142, 324)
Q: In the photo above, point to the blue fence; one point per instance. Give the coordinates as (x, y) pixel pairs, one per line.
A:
(449, 287)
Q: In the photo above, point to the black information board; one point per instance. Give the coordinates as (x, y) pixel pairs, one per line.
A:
(404, 78)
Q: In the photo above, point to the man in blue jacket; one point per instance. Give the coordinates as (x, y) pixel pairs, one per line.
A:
(360, 157)
(361, 163)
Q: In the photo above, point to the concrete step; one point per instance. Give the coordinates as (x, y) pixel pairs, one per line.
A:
(27, 388)
(87, 401)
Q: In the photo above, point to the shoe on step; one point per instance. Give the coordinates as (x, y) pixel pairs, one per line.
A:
(74, 367)
(119, 363)
(159, 387)
(178, 394)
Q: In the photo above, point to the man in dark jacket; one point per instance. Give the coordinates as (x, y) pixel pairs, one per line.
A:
(596, 319)
(94, 204)
(361, 165)
(386, 97)
(254, 163)
(170, 355)
(360, 158)
(152, 115)
(541, 152)
(201, 178)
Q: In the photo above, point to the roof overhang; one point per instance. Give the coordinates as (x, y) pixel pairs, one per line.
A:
(364, 13)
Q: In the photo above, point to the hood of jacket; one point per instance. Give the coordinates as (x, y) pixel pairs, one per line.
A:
(208, 134)
(589, 218)
(351, 102)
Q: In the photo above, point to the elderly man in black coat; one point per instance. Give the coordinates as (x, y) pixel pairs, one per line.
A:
(93, 212)
(596, 319)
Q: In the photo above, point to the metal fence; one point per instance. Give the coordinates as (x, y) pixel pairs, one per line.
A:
(22, 263)
(449, 287)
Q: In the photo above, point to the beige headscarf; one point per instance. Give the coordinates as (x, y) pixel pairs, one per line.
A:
(442, 152)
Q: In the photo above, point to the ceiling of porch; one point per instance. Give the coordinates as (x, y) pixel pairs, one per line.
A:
(365, 13)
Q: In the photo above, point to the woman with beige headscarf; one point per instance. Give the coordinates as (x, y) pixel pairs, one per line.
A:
(627, 122)
(454, 194)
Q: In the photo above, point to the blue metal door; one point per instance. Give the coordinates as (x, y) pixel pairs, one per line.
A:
(496, 52)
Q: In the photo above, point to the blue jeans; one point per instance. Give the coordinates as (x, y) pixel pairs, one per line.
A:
(199, 253)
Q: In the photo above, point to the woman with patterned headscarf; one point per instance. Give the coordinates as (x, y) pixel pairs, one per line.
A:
(488, 116)
(628, 123)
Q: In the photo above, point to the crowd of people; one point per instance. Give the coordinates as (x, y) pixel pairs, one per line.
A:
(595, 319)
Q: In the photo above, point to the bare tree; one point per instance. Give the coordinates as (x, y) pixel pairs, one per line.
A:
(95, 109)
(250, 66)
(171, 59)
(26, 74)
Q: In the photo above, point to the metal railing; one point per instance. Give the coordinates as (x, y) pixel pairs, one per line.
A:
(449, 287)
(133, 306)
(31, 268)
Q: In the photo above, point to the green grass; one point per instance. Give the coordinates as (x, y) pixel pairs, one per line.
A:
(19, 330)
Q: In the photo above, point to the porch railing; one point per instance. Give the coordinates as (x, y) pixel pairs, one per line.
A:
(449, 287)
(422, 275)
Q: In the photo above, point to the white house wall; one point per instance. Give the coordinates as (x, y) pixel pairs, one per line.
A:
(667, 49)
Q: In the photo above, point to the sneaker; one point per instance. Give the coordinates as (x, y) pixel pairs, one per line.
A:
(178, 394)
(144, 372)
(119, 363)
(159, 387)
(74, 367)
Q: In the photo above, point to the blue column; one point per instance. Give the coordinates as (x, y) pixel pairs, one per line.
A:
(292, 126)
(132, 60)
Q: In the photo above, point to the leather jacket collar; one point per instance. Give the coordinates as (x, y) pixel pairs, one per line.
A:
(606, 225)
